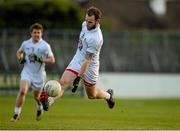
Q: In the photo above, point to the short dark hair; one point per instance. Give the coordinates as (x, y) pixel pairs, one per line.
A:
(94, 11)
(36, 26)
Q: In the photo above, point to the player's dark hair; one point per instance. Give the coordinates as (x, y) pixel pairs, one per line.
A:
(36, 26)
(94, 11)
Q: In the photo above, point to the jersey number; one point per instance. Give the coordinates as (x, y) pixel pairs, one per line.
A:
(80, 45)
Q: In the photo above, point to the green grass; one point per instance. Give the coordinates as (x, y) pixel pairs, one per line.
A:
(83, 114)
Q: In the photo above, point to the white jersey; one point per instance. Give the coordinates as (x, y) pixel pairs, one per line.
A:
(89, 41)
(34, 71)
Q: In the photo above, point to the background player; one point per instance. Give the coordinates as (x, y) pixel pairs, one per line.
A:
(34, 54)
(85, 63)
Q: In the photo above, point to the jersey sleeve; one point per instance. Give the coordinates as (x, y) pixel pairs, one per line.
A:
(93, 46)
(48, 51)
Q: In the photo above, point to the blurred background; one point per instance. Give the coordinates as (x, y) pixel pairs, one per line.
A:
(141, 52)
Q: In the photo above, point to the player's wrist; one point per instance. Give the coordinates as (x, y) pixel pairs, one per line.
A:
(38, 58)
(79, 76)
(21, 60)
(42, 60)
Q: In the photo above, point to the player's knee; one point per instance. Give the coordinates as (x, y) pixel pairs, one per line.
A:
(22, 93)
(92, 96)
(63, 83)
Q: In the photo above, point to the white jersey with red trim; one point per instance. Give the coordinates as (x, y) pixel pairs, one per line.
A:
(89, 41)
(34, 71)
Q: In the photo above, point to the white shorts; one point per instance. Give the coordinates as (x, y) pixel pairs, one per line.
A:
(36, 80)
(90, 76)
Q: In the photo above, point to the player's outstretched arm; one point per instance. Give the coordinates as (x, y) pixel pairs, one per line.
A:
(49, 60)
(84, 67)
(40, 59)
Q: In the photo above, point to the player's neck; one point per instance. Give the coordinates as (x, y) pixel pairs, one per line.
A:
(35, 41)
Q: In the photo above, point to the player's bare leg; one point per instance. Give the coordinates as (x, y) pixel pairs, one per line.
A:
(95, 93)
(36, 95)
(20, 99)
(65, 81)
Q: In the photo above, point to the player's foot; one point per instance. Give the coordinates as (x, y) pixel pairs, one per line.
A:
(39, 115)
(44, 100)
(15, 118)
(110, 101)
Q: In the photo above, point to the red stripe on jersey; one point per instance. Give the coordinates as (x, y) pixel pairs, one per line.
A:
(87, 84)
(72, 71)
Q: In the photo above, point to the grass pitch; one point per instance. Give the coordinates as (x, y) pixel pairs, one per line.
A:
(82, 114)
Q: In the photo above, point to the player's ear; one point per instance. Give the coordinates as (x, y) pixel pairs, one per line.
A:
(97, 21)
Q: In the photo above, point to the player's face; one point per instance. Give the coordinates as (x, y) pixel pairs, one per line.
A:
(91, 22)
(36, 35)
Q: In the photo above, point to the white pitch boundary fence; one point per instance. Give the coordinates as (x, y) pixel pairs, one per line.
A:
(141, 85)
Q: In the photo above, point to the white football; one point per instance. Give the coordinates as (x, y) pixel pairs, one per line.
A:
(52, 88)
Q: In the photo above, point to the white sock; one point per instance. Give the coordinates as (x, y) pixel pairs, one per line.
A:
(107, 97)
(50, 100)
(17, 110)
(39, 107)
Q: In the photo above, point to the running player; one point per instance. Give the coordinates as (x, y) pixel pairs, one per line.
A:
(85, 63)
(34, 54)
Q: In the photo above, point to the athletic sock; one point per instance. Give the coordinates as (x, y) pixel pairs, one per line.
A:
(107, 97)
(39, 107)
(17, 110)
(50, 100)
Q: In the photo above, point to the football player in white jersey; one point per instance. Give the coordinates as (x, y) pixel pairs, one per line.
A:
(34, 53)
(85, 63)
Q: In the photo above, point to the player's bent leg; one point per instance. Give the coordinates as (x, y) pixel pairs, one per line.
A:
(91, 90)
(95, 93)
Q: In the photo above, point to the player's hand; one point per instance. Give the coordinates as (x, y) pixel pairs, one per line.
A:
(76, 83)
(21, 58)
(37, 58)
